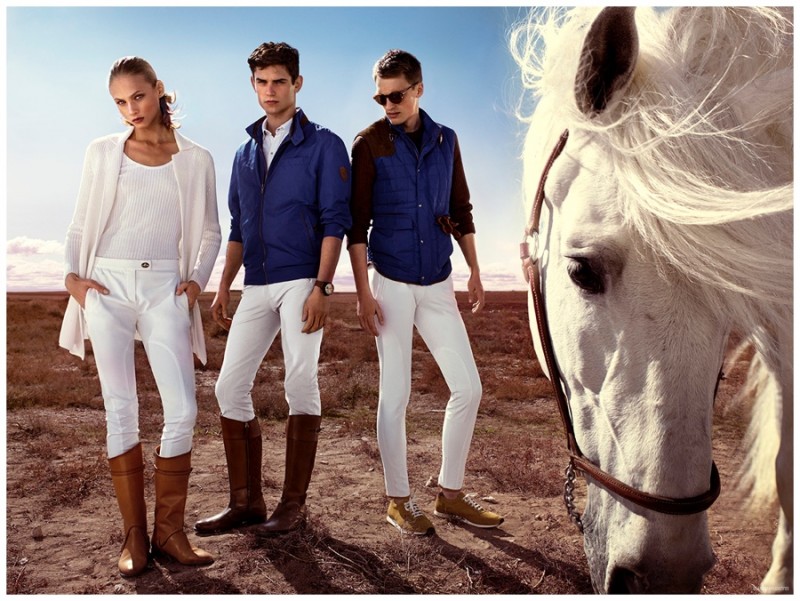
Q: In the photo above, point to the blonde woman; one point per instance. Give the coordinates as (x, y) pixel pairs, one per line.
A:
(140, 249)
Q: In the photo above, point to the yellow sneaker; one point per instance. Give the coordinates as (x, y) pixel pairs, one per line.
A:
(466, 509)
(405, 515)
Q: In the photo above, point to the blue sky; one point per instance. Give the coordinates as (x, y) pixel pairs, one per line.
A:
(57, 102)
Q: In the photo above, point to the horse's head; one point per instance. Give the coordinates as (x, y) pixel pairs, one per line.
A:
(639, 352)
(638, 340)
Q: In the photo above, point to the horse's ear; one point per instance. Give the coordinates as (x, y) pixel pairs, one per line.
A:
(607, 60)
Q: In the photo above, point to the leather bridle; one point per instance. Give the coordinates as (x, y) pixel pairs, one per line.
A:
(577, 461)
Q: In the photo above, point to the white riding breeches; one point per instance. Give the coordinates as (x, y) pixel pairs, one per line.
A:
(142, 297)
(261, 314)
(434, 312)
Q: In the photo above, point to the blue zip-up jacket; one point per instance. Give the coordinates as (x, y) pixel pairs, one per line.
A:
(411, 190)
(281, 217)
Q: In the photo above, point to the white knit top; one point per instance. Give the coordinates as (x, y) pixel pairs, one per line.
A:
(193, 168)
(145, 221)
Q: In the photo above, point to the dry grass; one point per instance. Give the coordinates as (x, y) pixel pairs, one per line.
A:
(57, 473)
(533, 466)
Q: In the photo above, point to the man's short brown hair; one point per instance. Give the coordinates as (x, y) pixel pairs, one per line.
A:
(275, 53)
(396, 63)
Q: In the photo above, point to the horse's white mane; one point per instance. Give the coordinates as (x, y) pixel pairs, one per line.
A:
(701, 145)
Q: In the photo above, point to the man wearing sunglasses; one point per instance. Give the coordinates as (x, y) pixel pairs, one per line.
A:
(288, 198)
(409, 184)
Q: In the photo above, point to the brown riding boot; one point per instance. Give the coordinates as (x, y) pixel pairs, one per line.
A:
(127, 473)
(172, 484)
(302, 432)
(243, 454)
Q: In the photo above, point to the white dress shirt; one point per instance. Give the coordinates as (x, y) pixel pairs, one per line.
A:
(272, 143)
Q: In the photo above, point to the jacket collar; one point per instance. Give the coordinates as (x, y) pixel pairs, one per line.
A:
(296, 135)
(430, 129)
(184, 143)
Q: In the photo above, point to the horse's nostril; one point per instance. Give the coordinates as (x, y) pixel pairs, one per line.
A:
(622, 582)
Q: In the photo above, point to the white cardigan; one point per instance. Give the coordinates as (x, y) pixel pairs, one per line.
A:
(194, 172)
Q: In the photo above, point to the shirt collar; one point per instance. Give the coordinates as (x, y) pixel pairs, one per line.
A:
(279, 131)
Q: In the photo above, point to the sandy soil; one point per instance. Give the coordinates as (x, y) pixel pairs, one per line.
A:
(64, 532)
(347, 547)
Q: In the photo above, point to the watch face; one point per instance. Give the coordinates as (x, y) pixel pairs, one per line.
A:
(328, 289)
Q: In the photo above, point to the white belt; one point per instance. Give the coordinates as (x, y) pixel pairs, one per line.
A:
(138, 264)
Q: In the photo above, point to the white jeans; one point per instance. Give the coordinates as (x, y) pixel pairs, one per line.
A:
(261, 314)
(142, 297)
(434, 312)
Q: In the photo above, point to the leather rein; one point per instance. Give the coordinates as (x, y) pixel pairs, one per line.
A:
(577, 461)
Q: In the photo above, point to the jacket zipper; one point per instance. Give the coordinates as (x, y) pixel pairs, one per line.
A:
(267, 171)
(261, 157)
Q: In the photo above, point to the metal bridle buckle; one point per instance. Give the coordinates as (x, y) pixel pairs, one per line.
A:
(531, 239)
(529, 258)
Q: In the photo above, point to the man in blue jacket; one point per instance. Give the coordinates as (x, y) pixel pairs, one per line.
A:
(409, 185)
(288, 200)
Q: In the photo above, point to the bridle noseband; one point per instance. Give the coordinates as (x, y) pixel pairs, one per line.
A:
(577, 461)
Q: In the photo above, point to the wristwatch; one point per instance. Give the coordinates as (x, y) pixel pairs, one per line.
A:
(326, 287)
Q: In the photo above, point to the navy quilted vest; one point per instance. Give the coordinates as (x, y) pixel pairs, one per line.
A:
(412, 188)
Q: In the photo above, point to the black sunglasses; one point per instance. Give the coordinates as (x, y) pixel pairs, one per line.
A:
(395, 97)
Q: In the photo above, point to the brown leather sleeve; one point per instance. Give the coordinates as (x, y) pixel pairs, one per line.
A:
(363, 178)
(460, 207)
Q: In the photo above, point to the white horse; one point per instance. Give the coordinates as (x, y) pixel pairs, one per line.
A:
(666, 225)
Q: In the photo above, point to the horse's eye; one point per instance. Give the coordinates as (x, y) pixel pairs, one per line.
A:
(585, 276)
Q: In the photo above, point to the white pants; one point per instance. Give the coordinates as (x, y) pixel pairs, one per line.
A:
(142, 297)
(262, 313)
(434, 312)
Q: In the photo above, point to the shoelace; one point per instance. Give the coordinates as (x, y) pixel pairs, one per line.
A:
(470, 500)
(412, 507)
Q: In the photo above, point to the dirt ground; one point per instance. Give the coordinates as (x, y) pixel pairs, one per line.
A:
(63, 529)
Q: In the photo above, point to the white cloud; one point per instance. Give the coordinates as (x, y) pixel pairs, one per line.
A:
(33, 264)
(22, 245)
(216, 276)
(494, 276)
(33, 273)
(38, 265)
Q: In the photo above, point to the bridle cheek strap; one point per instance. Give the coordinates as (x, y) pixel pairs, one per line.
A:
(668, 505)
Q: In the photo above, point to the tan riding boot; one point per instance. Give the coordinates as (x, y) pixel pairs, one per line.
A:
(302, 432)
(172, 484)
(243, 454)
(127, 473)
